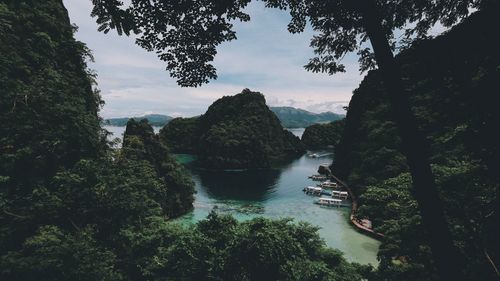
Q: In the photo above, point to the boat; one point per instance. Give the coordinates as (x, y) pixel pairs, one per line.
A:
(340, 194)
(329, 202)
(313, 190)
(318, 177)
(314, 155)
(328, 184)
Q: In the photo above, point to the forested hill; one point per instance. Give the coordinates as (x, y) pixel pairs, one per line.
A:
(453, 83)
(48, 109)
(291, 117)
(141, 143)
(236, 132)
(157, 120)
(323, 135)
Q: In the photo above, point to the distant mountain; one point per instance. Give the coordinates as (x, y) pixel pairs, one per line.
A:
(291, 117)
(157, 120)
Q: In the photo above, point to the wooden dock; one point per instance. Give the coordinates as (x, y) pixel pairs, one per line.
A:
(354, 208)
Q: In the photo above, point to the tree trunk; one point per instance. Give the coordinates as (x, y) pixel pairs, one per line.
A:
(448, 260)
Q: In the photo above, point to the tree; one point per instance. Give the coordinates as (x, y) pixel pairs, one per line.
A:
(141, 143)
(185, 35)
(221, 248)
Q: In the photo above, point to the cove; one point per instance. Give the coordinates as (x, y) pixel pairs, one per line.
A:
(274, 193)
(277, 193)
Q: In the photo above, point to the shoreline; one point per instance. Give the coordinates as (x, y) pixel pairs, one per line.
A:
(354, 208)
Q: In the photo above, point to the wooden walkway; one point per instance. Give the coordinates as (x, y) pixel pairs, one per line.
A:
(354, 208)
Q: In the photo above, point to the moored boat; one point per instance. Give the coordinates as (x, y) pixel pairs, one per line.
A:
(340, 194)
(328, 184)
(313, 190)
(329, 202)
(318, 177)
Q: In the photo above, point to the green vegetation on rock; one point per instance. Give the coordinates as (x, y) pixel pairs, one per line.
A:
(181, 135)
(141, 143)
(323, 135)
(236, 132)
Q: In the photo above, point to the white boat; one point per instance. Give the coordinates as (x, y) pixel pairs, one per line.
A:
(313, 190)
(318, 177)
(328, 184)
(329, 202)
(340, 194)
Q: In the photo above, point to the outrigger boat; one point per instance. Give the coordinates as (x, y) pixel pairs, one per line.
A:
(313, 190)
(329, 202)
(328, 184)
(340, 194)
(318, 177)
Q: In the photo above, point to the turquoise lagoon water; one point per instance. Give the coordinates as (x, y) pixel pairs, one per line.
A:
(276, 193)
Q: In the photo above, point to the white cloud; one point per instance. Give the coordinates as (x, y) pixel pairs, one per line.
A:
(265, 58)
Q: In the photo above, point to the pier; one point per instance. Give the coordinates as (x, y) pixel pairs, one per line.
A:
(361, 225)
(331, 181)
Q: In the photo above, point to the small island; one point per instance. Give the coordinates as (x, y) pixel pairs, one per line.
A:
(323, 135)
(236, 132)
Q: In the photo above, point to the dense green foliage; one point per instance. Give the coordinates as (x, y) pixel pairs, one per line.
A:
(181, 135)
(323, 135)
(291, 117)
(454, 94)
(220, 248)
(405, 254)
(44, 84)
(236, 132)
(141, 143)
(156, 120)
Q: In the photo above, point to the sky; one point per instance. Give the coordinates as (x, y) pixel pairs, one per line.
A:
(264, 58)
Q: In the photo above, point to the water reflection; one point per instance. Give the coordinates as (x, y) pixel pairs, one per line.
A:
(277, 193)
(245, 185)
